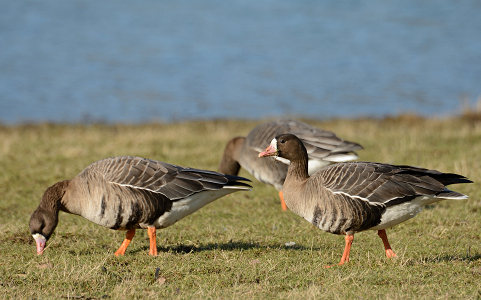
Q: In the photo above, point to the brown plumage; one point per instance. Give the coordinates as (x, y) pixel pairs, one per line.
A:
(323, 148)
(127, 193)
(346, 198)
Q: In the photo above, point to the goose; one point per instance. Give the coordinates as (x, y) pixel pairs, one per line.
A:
(128, 193)
(346, 198)
(323, 148)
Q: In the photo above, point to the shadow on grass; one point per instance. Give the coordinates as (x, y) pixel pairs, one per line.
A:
(230, 246)
(449, 258)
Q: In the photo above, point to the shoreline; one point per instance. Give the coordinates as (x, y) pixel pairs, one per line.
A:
(467, 115)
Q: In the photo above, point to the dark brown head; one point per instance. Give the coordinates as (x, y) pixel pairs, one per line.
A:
(229, 164)
(286, 146)
(45, 218)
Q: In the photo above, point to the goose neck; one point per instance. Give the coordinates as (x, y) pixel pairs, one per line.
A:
(298, 170)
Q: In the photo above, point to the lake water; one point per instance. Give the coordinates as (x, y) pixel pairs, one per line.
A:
(139, 61)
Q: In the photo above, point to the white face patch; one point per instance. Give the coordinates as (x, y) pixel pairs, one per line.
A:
(274, 143)
(271, 150)
(38, 237)
(40, 242)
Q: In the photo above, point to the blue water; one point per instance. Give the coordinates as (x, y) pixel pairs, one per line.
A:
(139, 61)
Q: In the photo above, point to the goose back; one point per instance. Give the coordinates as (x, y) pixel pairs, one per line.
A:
(133, 192)
(323, 148)
(320, 144)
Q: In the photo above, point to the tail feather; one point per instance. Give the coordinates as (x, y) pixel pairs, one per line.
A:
(452, 195)
(451, 178)
(237, 182)
(444, 178)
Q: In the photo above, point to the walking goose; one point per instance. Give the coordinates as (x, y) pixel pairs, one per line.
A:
(323, 147)
(346, 198)
(127, 193)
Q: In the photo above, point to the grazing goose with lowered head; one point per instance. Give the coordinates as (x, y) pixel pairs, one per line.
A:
(323, 148)
(127, 193)
(346, 198)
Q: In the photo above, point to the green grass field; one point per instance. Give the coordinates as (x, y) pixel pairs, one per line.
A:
(235, 247)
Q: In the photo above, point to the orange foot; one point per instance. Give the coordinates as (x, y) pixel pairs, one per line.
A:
(349, 238)
(390, 253)
(128, 238)
(382, 234)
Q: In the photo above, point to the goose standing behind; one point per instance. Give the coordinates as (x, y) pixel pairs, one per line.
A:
(346, 198)
(127, 193)
(323, 148)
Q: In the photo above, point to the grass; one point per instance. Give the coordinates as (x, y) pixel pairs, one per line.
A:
(235, 247)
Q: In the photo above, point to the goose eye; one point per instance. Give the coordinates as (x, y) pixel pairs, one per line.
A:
(282, 141)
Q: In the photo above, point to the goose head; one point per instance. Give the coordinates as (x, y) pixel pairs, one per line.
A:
(42, 224)
(287, 146)
(44, 219)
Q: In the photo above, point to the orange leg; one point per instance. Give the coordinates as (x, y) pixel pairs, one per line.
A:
(382, 234)
(347, 249)
(153, 243)
(283, 204)
(128, 238)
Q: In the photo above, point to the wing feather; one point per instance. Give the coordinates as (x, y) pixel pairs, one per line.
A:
(388, 184)
(173, 181)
